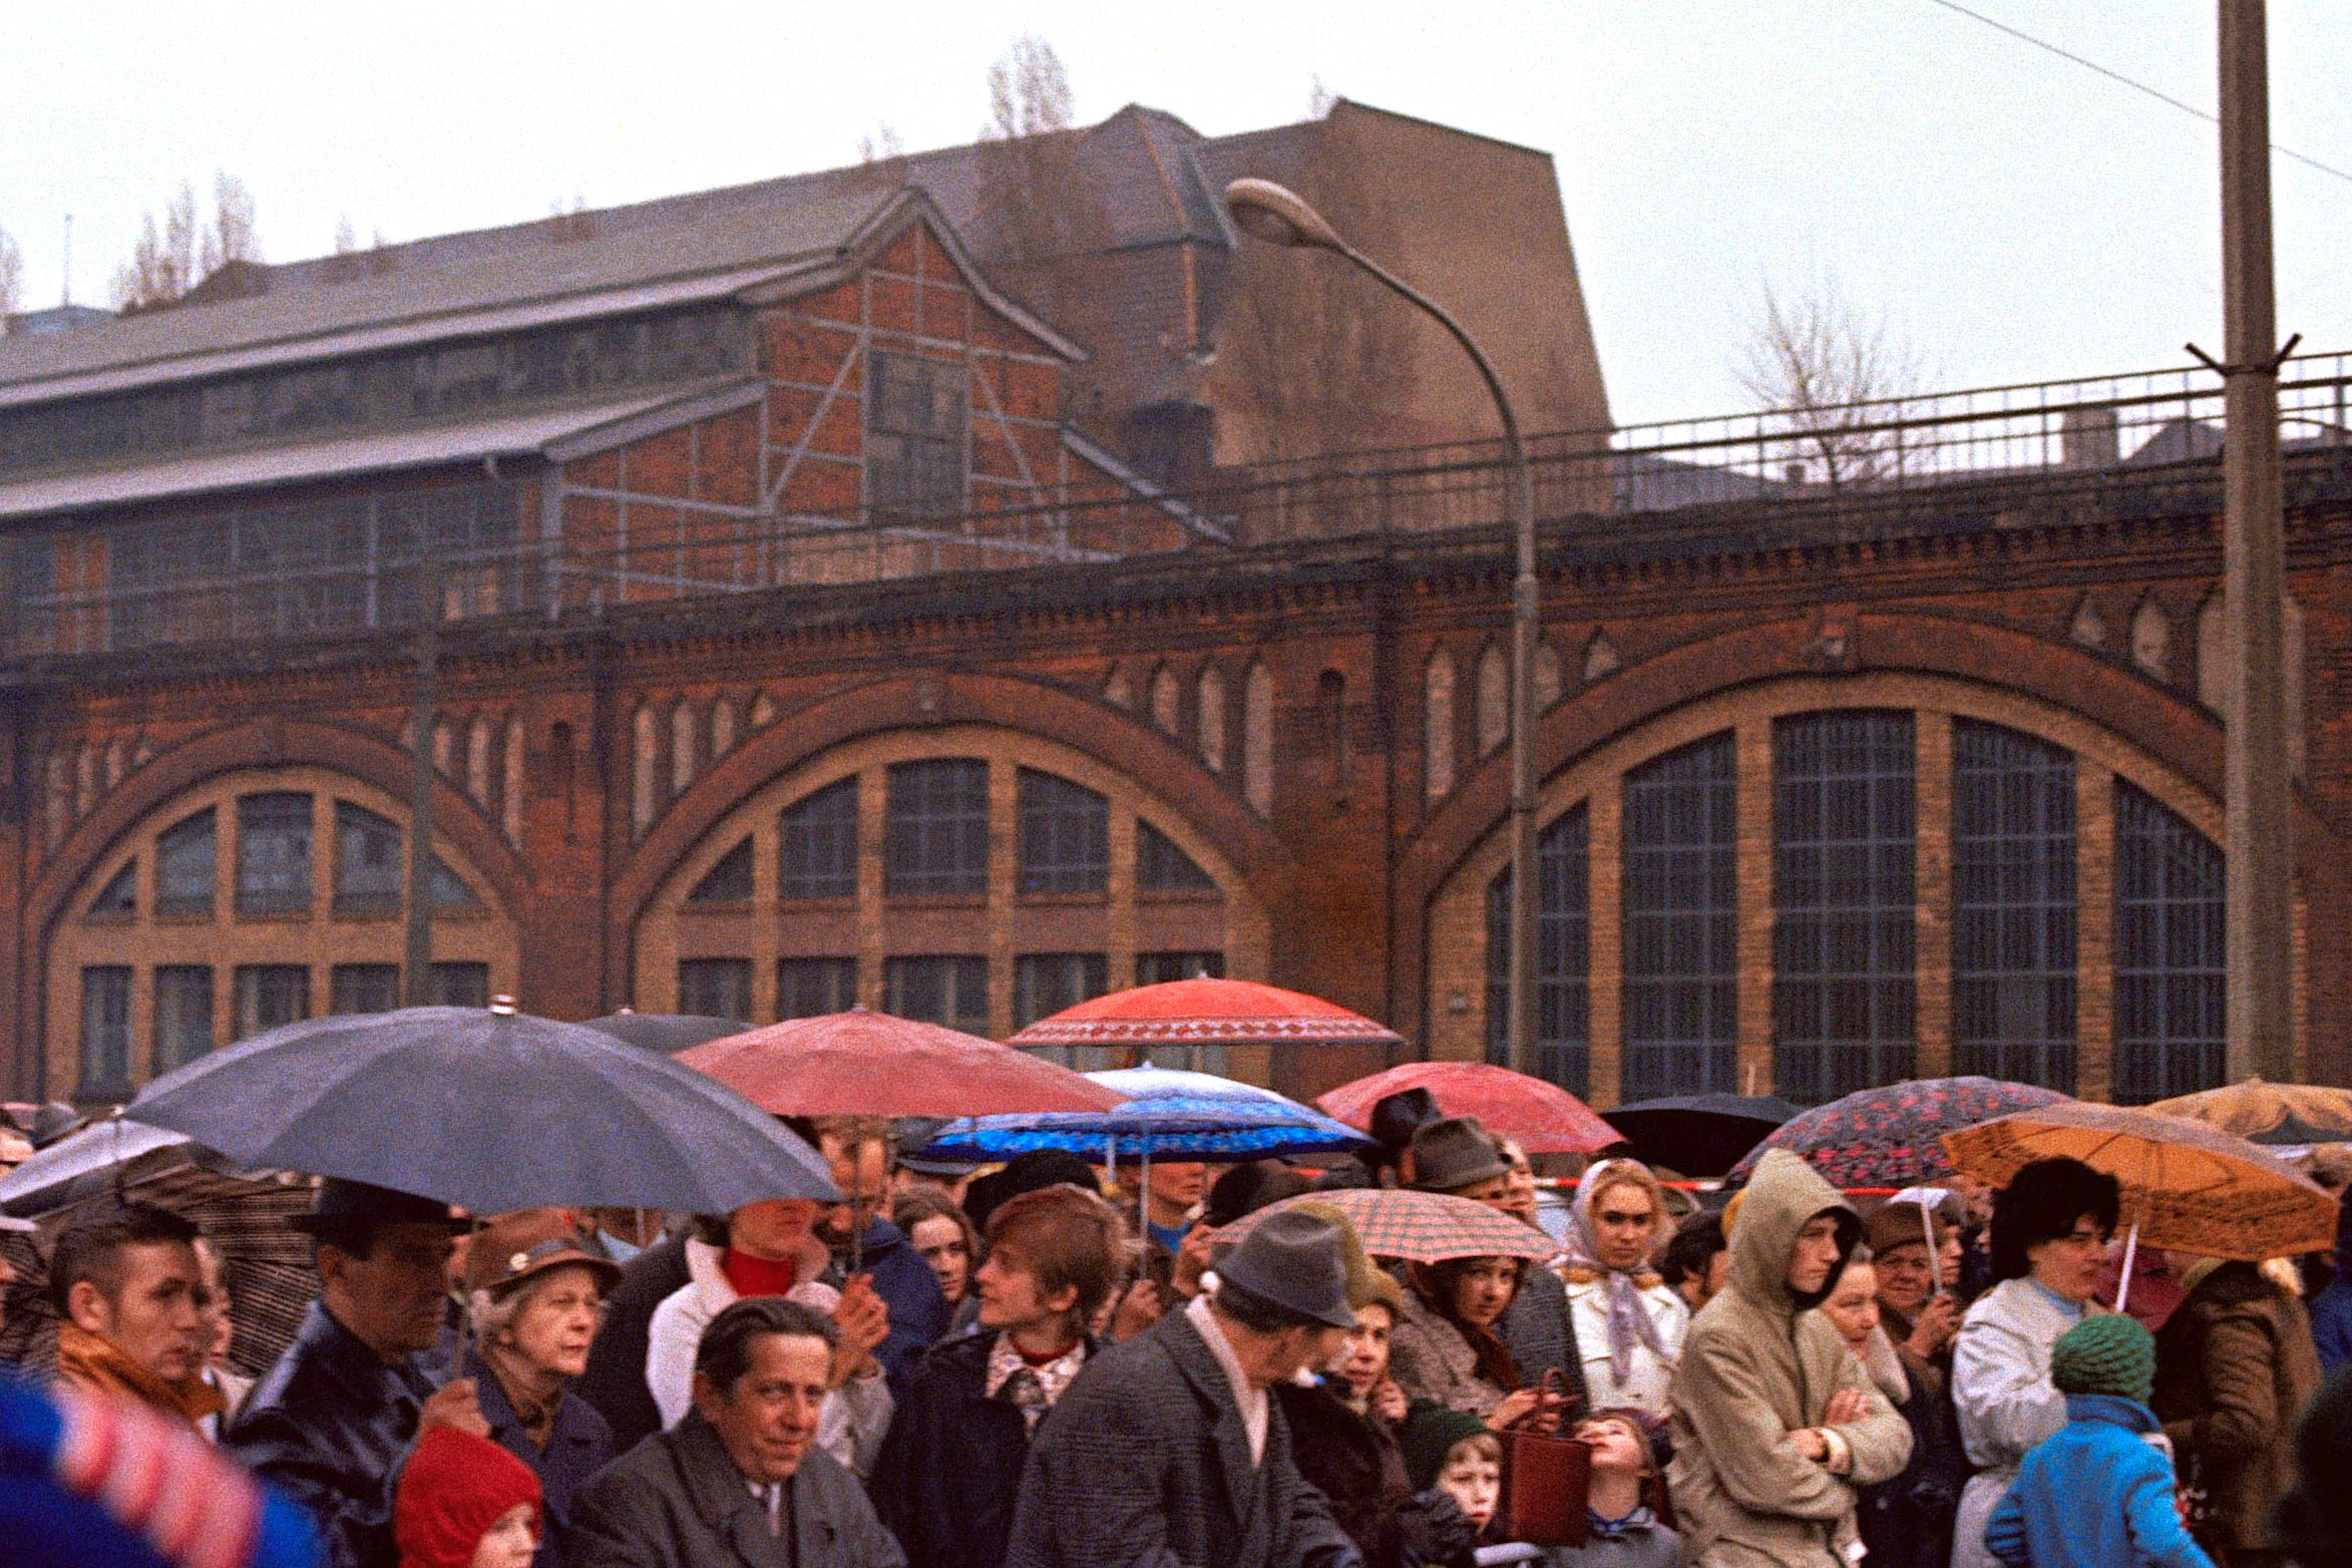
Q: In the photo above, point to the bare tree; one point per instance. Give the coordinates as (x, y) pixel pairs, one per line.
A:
(881, 146)
(1832, 379)
(1029, 92)
(232, 235)
(163, 262)
(12, 277)
(346, 237)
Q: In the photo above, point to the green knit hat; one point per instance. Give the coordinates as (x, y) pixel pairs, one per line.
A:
(2105, 1354)
(1428, 1435)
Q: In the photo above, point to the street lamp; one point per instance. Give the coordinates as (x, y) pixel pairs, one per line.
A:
(1282, 217)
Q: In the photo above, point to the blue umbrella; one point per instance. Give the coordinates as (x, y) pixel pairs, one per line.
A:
(487, 1108)
(1168, 1115)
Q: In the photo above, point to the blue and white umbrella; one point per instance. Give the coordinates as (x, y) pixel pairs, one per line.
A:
(1168, 1115)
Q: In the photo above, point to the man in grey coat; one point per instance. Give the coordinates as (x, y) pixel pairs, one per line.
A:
(739, 1482)
(1167, 1451)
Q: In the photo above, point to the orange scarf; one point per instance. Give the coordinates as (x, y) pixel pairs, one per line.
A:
(93, 1362)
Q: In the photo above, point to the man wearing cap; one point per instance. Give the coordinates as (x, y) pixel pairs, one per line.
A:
(1169, 1450)
(534, 1293)
(1456, 1156)
(331, 1420)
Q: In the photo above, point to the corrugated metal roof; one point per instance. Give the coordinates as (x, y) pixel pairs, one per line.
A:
(570, 430)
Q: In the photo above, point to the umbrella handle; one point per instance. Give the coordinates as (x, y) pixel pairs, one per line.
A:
(1935, 1264)
(2131, 1251)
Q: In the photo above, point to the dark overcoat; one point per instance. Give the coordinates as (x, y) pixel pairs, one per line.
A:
(1145, 1464)
(1540, 1332)
(676, 1501)
(579, 1445)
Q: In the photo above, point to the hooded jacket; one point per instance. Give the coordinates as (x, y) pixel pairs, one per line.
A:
(2097, 1493)
(1757, 1366)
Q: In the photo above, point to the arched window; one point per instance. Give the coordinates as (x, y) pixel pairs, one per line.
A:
(187, 866)
(273, 854)
(2169, 954)
(728, 881)
(121, 894)
(937, 828)
(1065, 836)
(1844, 999)
(1682, 918)
(1162, 867)
(818, 844)
(2013, 906)
(1563, 1027)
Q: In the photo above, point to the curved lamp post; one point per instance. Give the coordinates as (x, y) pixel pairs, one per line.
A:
(1278, 216)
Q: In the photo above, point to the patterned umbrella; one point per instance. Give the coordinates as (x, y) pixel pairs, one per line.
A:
(859, 1064)
(1888, 1137)
(1164, 1115)
(2187, 1186)
(1206, 1012)
(2278, 1114)
(1420, 1226)
(1543, 1117)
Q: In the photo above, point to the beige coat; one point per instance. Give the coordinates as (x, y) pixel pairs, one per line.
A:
(1757, 1366)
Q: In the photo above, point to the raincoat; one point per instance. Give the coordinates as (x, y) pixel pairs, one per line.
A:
(2007, 1404)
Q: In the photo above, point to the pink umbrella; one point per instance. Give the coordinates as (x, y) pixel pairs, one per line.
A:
(1543, 1117)
(1207, 1012)
(859, 1064)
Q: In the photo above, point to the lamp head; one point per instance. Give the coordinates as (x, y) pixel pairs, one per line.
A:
(1278, 216)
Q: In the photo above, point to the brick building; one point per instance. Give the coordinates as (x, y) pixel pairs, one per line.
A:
(802, 638)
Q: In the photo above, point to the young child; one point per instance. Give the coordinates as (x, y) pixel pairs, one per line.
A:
(2098, 1494)
(1624, 1532)
(1451, 1451)
(465, 1502)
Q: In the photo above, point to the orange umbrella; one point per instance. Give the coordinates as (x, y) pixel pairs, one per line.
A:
(1207, 1012)
(859, 1064)
(1543, 1117)
(2270, 1113)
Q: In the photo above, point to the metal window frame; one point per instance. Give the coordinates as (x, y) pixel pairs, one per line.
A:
(1064, 834)
(2171, 1028)
(823, 826)
(935, 828)
(1680, 921)
(1563, 948)
(2015, 942)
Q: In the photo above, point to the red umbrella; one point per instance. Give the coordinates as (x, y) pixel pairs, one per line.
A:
(1543, 1117)
(1207, 1012)
(859, 1064)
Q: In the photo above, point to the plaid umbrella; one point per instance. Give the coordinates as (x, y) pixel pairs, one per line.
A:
(1888, 1137)
(1420, 1226)
(2187, 1186)
(2278, 1114)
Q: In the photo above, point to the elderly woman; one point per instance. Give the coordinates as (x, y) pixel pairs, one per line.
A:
(1629, 1320)
(2050, 1229)
(1919, 1317)
(1445, 1348)
(537, 1294)
(1906, 1522)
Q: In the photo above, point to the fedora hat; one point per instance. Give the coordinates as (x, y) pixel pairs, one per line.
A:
(342, 1204)
(1455, 1153)
(515, 1248)
(1296, 1262)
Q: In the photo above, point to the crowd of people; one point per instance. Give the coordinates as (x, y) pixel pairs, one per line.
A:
(1025, 1371)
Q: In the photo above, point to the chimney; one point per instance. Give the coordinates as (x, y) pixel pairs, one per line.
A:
(2087, 438)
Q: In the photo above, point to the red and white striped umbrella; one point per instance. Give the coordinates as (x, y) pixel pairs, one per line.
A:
(1206, 1012)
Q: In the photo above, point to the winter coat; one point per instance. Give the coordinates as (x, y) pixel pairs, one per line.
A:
(1907, 1522)
(2234, 1369)
(2332, 1318)
(2096, 1494)
(1540, 1332)
(579, 1445)
(614, 1382)
(676, 1501)
(1644, 1388)
(856, 1414)
(1353, 1461)
(1145, 1464)
(950, 1470)
(1429, 1360)
(1757, 1366)
(2003, 1395)
(329, 1424)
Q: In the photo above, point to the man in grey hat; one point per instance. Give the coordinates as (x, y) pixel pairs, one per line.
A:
(1168, 1450)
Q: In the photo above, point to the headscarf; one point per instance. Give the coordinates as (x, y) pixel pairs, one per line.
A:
(1435, 1284)
(1629, 1320)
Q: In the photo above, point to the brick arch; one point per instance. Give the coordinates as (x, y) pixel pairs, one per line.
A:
(1116, 739)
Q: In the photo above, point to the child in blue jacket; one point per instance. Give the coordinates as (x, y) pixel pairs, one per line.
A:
(2098, 1494)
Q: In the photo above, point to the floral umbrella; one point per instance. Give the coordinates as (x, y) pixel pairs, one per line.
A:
(1888, 1137)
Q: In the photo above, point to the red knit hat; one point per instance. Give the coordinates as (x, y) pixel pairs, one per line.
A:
(454, 1487)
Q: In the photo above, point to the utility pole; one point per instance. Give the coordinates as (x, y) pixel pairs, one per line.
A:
(420, 790)
(2257, 771)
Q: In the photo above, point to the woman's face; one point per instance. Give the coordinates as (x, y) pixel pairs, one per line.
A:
(1903, 1280)
(2070, 1265)
(1853, 1308)
(940, 1242)
(776, 1229)
(559, 1316)
(1366, 1361)
(1482, 1291)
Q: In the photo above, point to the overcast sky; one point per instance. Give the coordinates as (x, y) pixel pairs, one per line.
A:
(2014, 216)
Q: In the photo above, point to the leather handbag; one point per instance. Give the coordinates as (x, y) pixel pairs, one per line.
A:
(1547, 1475)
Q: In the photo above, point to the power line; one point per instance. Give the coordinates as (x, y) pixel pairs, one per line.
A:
(2138, 87)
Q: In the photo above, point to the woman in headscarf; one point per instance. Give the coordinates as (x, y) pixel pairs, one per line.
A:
(1629, 1320)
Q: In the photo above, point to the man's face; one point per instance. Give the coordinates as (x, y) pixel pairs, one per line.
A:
(767, 1420)
(1815, 1255)
(1624, 1226)
(1303, 1345)
(152, 1316)
(1011, 1296)
(1494, 1192)
(393, 1298)
(1175, 1187)
(860, 1174)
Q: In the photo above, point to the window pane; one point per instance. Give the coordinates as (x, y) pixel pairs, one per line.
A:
(1045, 983)
(2012, 907)
(184, 1015)
(106, 1030)
(273, 854)
(812, 988)
(363, 987)
(1844, 991)
(121, 894)
(185, 867)
(1682, 911)
(937, 837)
(460, 984)
(268, 994)
(715, 987)
(1563, 934)
(1065, 836)
(728, 881)
(368, 869)
(451, 892)
(951, 990)
(2169, 956)
(1161, 866)
(818, 844)
(1154, 969)
(914, 435)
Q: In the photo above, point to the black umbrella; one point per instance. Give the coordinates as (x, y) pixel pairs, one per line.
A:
(488, 1110)
(1699, 1134)
(667, 1032)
